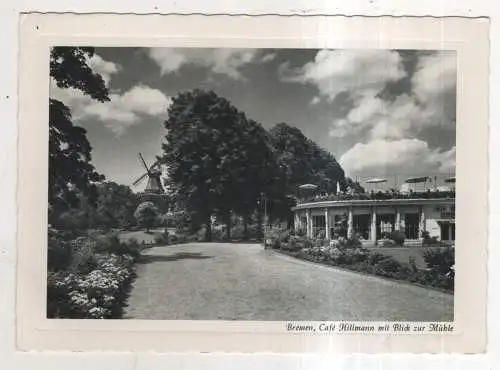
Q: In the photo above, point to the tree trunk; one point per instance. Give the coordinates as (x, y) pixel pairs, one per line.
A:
(245, 226)
(208, 230)
(259, 223)
(228, 225)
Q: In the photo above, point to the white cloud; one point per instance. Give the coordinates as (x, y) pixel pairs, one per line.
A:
(123, 110)
(405, 156)
(221, 61)
(431, 102)
(105, 68)
(361, 73)
(268, 57)
(436, 75)
(315, 100)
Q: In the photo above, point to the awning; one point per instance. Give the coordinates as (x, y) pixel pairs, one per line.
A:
(415, 180)
(375, 181)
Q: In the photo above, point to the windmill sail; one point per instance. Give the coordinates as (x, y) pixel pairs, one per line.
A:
(153, 174)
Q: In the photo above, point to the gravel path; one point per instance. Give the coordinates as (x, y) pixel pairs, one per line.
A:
(224, 281)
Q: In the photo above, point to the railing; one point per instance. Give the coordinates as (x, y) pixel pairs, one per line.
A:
(378, 196)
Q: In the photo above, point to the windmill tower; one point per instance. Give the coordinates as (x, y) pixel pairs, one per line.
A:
(153, 175)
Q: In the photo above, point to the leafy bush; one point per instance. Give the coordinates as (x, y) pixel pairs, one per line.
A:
(277, 237)
(110, 243)
(296, 243)
(320, 234)
(386, 243)
(440, 260)
(181, 238)
(162, 238)
(300, 232)
(353, 242)
(238, 232)
(352, 256)
(147, 215)
(427, 240)
(388, 266)
(60, 252)
(398, 237)
(375, 257)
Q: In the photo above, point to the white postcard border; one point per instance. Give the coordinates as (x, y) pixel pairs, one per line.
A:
(468, 37)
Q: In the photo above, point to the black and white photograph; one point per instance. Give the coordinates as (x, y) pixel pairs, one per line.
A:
(251, 184)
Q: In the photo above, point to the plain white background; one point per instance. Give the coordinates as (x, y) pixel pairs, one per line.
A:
(10, 359)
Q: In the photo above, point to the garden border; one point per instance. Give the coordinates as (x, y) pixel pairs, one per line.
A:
(405, 282)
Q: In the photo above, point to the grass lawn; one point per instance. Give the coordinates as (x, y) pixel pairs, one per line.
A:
(402, 254)
(140, 235)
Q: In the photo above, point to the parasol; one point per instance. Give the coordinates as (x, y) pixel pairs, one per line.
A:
(308, 186)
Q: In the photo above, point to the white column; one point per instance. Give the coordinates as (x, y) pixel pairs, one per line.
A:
(350, 226)
(296, 223)
(397, 225)
(327, 224)
(309, 223)
(421, 226)
(373, 229)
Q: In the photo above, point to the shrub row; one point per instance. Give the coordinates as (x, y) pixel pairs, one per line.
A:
(237, 233)
(348, 254)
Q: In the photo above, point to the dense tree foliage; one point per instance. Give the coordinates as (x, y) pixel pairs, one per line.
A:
(116, 205)
(71, 174)
(212, 150)
(147, 215)
(70, 170)
(304, 161)
(70, 69)
(113, 207)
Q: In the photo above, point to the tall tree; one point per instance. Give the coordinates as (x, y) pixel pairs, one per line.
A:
(258, 176)
(304, 161)
(202, 152)
(70, 168)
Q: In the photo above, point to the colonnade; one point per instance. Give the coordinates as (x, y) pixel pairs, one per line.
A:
(399, 223)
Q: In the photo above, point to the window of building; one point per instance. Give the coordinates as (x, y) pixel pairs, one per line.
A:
(361, 224)
(447, 231)
(385, 225)
(318, 225)
(339, 228)
(412, 224)
(448, 212)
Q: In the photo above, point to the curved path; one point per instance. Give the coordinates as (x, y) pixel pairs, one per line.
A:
(227, 281)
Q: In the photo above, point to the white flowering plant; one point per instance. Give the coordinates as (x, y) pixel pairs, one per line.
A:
(98, 294)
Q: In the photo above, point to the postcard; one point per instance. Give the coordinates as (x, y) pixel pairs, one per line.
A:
(252, 184)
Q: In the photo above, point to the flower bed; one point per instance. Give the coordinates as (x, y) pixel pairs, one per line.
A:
(91, 279)
(438, 274)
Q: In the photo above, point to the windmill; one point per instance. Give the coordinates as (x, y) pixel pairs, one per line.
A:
(153, 174)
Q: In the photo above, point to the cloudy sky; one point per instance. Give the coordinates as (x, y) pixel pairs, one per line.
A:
(380, 112)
